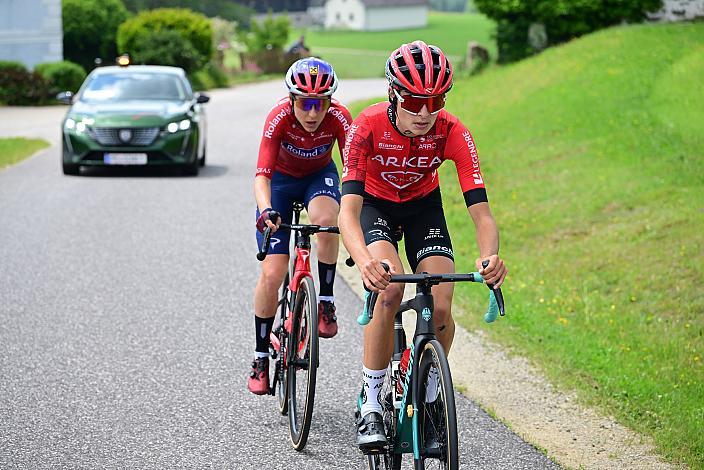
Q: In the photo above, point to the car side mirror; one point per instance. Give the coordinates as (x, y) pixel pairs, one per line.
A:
(202, 98)
(65, 97)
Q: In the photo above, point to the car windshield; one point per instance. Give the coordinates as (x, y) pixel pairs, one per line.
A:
(134, 86)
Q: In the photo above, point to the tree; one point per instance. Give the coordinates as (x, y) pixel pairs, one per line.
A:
(270, 34)
(191, 51)
(562, 19)
(90, 27)
(227, 9)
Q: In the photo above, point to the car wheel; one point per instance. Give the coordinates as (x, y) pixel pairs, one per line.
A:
(191, 169)
(71, 168)
(202, 158)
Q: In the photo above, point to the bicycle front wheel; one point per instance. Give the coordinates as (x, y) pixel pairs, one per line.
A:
(436, 405)
(302, 368)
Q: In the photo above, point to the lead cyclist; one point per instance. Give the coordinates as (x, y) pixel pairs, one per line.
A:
(390, 179)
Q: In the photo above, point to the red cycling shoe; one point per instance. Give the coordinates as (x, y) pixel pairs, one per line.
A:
(327, 321)
(258, 382)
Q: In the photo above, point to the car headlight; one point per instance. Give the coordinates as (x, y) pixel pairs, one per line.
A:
(183, 125)
(79, 127)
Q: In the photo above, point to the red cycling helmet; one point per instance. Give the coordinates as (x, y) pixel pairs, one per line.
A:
(311, 77)
(429, 74)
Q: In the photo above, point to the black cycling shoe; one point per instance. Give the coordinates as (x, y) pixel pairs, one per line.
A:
(370, 432)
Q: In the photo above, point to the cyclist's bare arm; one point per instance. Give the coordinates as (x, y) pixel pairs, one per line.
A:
(373, 273)
(488, 241)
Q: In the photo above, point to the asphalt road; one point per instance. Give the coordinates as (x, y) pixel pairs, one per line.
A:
(126, 329)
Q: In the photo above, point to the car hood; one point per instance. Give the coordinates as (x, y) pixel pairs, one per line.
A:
(130, 113)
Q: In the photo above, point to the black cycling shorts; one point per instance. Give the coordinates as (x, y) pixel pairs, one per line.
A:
(422, 223)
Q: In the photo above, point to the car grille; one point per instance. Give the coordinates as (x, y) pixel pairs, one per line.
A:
(138, 136)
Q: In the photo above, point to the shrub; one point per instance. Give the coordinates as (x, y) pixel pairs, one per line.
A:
(19, 86)
(512, 40)
(210, 76)
(166, 47)
(134, 35)
(90, 28)
(62, 76)
(563, 19)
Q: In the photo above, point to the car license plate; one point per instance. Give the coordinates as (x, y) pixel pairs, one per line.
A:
(125, 158)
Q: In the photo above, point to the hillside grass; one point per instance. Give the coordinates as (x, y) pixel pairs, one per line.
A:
(15, 149)
(593, 153)
(358, 54)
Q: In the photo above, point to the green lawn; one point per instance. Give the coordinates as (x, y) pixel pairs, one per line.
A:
(357, 54)
(593, 153)
(15, 149)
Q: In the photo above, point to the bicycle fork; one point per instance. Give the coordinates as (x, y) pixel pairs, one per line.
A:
(423, 305)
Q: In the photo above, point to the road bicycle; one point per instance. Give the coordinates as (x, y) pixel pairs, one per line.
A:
(419, 407)
(294, 338)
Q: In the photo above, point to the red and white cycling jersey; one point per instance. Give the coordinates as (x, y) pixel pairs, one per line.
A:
(288, 148)
(397, 168)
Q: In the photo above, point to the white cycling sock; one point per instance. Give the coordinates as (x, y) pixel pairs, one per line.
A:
(371, 393)
(432, 385)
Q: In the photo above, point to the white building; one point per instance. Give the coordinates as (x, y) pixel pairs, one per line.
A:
(376, 15)
(679, 10)
(31, 31)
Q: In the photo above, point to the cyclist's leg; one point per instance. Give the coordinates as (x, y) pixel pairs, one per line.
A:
(273, 270)
(323, 202)
(274, 266)
(378, 334)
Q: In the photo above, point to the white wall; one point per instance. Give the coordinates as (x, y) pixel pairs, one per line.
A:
(344, 14)
(382, 18)
(31, 31)
(679, 10)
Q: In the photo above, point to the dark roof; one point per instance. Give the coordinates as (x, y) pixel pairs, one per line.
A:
(393, 3)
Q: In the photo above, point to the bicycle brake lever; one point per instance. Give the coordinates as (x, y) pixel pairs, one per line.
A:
(497, 292)
(265, 246)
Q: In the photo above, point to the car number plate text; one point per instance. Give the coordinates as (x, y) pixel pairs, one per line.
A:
(125, 158)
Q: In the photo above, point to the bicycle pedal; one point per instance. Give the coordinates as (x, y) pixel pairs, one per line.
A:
(375, 450)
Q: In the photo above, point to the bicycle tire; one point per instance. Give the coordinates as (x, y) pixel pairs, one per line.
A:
(304, 341)
(282, 382)
(437, 419)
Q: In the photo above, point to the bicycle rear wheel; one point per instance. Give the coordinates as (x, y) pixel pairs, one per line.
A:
(280, 370)
(302, 369)
(437, 419)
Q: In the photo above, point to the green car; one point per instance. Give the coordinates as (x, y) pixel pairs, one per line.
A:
(138, 115)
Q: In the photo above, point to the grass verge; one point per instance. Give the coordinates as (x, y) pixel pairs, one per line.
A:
(15, 149)
(593, 156)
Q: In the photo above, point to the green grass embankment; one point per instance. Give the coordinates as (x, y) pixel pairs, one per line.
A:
(360, 54)
(15, 149)
(593, 153)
